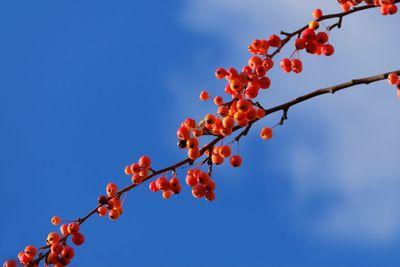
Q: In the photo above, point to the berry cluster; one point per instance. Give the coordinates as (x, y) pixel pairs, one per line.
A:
(172, 186)
(387, 7)
(240, 112)
(201, 183)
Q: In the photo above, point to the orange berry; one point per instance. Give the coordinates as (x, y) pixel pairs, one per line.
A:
(226, 131)
(217, 159)
(102, 211)
(162, 183)
(113, 214)
(317, 13)
(210, 119)
(73, 228)
(235, 85)
(52, 258)
(137, 179)
(183, 133)
(135, 168)
(243, 105)
(204, 95)
(197, 133)
(225, 151)
(220, 73)
(218, 100)
(393, 78)
(192, 143)
(251, 114)
(57, 248)
(274, 40)
(260, 113)
(235, 161)
(193, 153)
(313, 25)
(266, 133)
(228, 122)
(127, 170)
(223, 111)
(10, 263)
(144, 162)
(30, 252)
(166, 194)
(68, 252)
(78, 239)
(111, 189)
(191, 180)
(254, 61)
(55, 220)
(244, 122)
(190, 123)
(53, 238)
(144, 172)
(64, 229)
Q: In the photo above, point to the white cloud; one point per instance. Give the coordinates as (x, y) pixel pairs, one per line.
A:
(362, 127)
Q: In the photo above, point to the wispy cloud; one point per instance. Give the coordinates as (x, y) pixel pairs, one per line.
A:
(357, 168)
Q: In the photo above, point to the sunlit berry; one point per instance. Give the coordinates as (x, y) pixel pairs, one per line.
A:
(192, 143)
(204, 95)
(266, 133)
(153, 186)
(30, 252)
(198, 191)
(144, 172)
(235, 85)
(235, 161)
(317, 13)
(111, 189)
(313, 25)
(55, 220)
(53, 238)
(223, 111)
(183, 133)
(254, 61)
(135, 168)
(393, 78)
(144, 162)
(73, 228)
(251, 92)
(191, 180)
(220, 73)
(218, 100)
(128, 170)
(162, 183)
(64, 229)
(268, 63)
(217, 159)
(193, 153)
(102, 211)
(228, 122)
(203, 177)
(166, 194)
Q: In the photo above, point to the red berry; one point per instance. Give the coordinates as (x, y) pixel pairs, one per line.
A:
(327, 50)
(153, 186)
(198, 191)
(73, 228)
(393, 78)
(210, 195)
(204, 95)
(286, 65)
(102, 211)
(68, 252)
(317, 13)
(266, 133)
(300, 43)
(297, 65)
(111, 189)
(10, 263)
(53, 238)
(236, 161)
(308, 34)
(322, 37)
(30, 252)
(144, 162)
(220, 73)
(55, 220)
(78, 239)
(183, 133)
(162, 183)
(274, 40)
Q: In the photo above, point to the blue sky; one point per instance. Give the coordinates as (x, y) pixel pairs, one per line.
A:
(88, 87)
